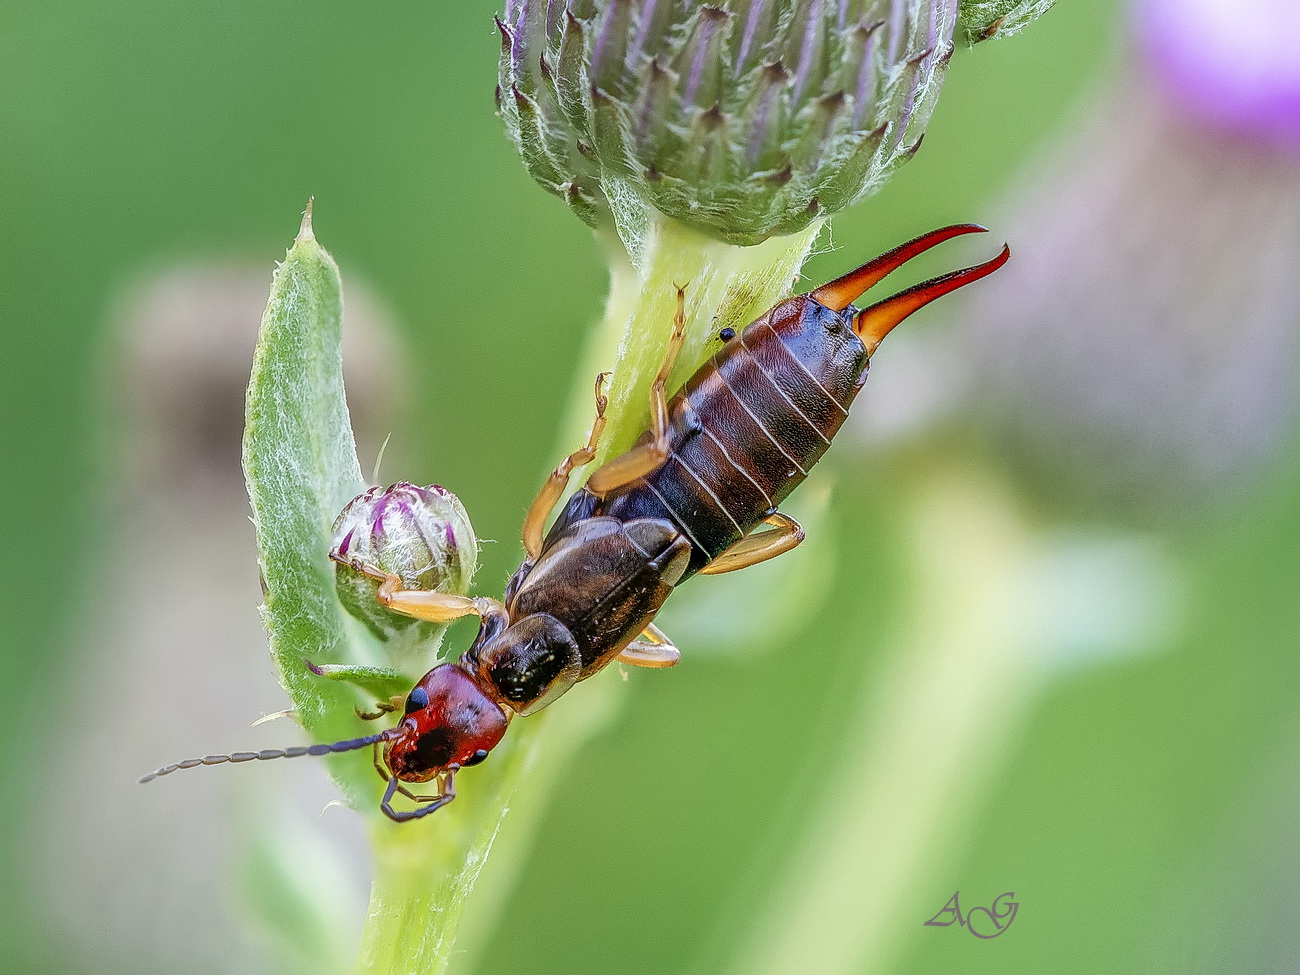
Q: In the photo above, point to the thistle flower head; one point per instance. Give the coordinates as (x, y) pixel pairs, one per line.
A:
(742, 119)
(420, 534)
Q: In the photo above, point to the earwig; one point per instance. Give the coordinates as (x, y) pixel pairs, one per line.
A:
(697, 493)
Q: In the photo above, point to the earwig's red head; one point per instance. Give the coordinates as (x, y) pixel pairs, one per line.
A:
(449, 723)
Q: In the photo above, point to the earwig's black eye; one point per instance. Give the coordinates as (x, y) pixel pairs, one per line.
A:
(727, 334)
(475, 759)
(417, 700)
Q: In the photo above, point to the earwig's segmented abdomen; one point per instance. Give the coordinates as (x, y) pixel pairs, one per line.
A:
(748, 426)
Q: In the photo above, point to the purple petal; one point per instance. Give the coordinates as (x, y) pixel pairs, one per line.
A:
(751, 28)
(1232, 63)
(643, 30)
(808, 50)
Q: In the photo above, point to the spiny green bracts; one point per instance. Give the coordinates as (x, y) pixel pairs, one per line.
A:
(742, 119)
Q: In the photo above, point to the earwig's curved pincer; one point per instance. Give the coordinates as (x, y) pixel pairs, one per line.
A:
(876, 321)
(692, 495)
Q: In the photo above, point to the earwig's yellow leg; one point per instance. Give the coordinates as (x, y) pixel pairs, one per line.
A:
(425, 604)
(432, 607)
(381, 708)
(648, 457)
(651, 649)
(544, 503)
(379, 764)
(784, 535)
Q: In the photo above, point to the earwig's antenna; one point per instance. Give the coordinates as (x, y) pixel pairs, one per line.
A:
(876, 321)
(843, 291)
(268, 753)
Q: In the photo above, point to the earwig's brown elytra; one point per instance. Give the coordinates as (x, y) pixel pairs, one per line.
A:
(688, 497)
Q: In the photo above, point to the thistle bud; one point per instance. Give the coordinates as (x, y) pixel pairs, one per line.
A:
(420, 534)
(741, 119)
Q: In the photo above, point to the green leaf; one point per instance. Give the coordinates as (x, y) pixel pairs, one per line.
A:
(981, 20)
(380, 682)
(301, 468)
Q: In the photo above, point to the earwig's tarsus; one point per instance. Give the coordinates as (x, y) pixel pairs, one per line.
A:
(381, 708)
(646, 458)
(535, 521)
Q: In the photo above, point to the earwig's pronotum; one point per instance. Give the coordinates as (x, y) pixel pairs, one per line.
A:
(719, 458)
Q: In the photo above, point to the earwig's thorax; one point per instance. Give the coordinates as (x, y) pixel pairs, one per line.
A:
(448, 720)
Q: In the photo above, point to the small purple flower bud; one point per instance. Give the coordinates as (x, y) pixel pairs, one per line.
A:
(420, 534)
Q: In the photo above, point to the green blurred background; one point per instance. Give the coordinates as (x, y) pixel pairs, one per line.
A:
(1140, 809)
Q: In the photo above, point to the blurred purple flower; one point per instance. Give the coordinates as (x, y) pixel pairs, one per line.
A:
(1232, 63)
(1143, 350)
(1141, 355)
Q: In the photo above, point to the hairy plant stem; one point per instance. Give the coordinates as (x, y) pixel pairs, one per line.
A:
(726, 286)
(425, 871)
(929, 730)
